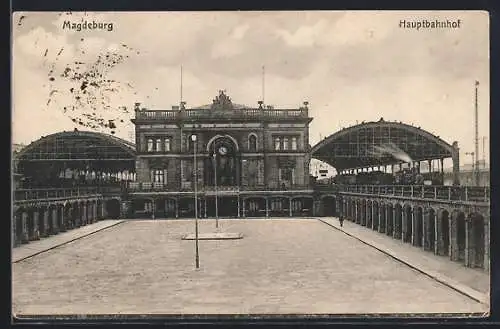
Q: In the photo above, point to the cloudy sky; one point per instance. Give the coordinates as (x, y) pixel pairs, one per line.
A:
(350, 66)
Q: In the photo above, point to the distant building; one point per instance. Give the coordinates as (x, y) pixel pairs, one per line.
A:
(467, 175)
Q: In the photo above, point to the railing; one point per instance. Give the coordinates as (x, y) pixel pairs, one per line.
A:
(53, 193)
(451, 193)
(235, 113)
(62, 193)
(159, 187)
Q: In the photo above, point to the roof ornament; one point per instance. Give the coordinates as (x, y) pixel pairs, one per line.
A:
(381, 120)
(222, 102)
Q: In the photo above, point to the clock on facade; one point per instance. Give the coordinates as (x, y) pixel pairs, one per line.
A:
(222, 150)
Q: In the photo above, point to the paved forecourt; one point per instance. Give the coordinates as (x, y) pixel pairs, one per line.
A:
(279, 266)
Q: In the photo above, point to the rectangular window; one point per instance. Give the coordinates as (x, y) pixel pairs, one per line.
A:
(277, 144)
(158, 176)
(285, 143)
(294, 143)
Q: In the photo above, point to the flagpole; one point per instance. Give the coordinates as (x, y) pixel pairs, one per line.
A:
(263, 84)
(476, 137)
(181, 85)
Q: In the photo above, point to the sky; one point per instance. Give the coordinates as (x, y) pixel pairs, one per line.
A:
(350, 67)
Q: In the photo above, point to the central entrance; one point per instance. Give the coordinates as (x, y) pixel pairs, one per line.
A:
(227, 206)
(223, 164)
(222, 168)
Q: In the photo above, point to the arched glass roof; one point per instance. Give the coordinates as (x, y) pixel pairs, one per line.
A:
(381, 143)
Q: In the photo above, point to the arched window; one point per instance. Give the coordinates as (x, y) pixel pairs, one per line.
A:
(167, 144)
(158, 145)
(285, 143)
(150, 145)
(252, 143)
(294, 143)
(277, 143)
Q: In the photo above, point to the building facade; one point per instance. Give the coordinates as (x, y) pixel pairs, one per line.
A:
(249, 161)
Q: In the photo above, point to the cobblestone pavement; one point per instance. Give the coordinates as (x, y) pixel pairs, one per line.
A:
(35, 247)
(280, 266)
(475, 282)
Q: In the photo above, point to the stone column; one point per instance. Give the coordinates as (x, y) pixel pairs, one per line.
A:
(92, 213)
(413, 233)
(290, 207)
(45, 222)
(453, 237)
(469, 243)
(395, 223)
(367, 216)
(404, 224)
(363, 213)
(13, 236)
(243, 208)
(104, 213)
(239, 207)
(55, 221)
(426, 234)
(84, 214)
(388, 221)
(486, 263)
(381, 219)
(59, 217)
(373, 216)
(176, 208)
(24, 232)
(439, 236)
(205, 201)
(434, 218)
(89, 212)
(77, 215)
(35, 222)
(267, 207)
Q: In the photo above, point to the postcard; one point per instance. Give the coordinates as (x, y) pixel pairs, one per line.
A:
(307, 163)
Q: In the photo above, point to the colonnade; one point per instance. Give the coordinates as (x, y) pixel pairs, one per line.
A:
(462, 234)
(32, 222)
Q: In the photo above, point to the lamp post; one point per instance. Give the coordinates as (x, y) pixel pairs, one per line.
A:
(197, 256)
(216, 191)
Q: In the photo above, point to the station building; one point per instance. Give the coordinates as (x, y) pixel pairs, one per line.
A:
(250, 161)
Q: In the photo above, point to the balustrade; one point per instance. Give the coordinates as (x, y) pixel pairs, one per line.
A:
(235, 113)
(452, 193)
